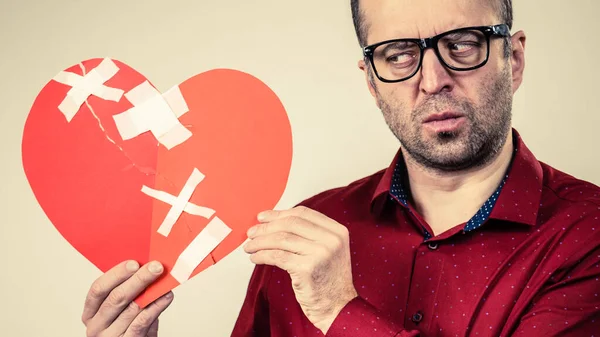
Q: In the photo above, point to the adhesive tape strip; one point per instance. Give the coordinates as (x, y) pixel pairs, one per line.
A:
(203, 244)
(91, 83)
(181, 201)
(176, 101)
(167, 198)
(155, 113)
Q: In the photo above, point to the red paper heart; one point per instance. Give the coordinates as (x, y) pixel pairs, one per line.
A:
(88, 180)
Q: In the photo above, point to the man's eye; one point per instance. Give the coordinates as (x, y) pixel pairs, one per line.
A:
(463, 46)
(398, 59)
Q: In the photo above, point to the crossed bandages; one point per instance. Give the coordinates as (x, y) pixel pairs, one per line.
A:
(158, 114)
(215, 232)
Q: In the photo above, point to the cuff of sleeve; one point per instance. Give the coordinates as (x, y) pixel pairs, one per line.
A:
(359, 318)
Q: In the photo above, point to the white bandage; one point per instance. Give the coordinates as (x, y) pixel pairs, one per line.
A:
(189, 208)
(155, 113)
(203, 244)
(84, 86)
(179, 204)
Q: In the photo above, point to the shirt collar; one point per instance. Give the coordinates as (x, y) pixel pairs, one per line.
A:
(519, 198)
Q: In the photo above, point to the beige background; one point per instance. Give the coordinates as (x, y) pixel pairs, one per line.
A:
(306, 52)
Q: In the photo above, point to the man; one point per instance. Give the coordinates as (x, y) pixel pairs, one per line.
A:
(465, 233)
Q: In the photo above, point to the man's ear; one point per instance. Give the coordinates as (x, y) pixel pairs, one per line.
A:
(517, 58)
(362, 65)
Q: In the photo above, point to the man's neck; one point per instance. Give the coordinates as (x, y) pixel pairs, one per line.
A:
(447, 199)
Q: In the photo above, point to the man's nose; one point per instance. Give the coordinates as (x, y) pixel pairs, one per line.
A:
(435, 77)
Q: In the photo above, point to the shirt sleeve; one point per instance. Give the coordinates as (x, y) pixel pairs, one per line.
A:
(360, 319)
(253, 318)
(569, 307)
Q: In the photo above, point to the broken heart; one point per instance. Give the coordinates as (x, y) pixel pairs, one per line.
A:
(124, 171)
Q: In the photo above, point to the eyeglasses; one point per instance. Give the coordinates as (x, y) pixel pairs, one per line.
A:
(459, 49)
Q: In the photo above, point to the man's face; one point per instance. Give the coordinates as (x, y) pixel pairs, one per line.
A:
(471, 110)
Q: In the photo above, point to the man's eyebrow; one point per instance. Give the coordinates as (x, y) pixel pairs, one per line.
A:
(458, 34)
(397, 44)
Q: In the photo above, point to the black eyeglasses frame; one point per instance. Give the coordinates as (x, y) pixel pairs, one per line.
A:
(500, 30)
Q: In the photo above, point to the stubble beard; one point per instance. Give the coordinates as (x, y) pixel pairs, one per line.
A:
(473, 146)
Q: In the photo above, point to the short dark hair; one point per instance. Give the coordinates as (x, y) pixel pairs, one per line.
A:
(503, 7)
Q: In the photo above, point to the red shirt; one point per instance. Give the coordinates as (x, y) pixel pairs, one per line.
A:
(530, 267)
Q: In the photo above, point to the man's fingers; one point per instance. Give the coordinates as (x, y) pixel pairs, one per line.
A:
(144, 323)
(294, 225)
(285, 241)
(302, 212)
(122, 322)
(121, 296)
(278, 258)
(299, 211)
(153, 331)
(104, 285)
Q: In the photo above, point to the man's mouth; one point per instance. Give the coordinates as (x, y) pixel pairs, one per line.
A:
(442, 116)
(444, 122)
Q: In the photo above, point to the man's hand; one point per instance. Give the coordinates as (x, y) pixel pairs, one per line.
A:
(314, 250)
(109, 310)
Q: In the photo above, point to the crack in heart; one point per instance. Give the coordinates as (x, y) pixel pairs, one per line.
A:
(144, 170)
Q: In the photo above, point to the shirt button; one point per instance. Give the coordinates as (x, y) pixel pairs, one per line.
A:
(417, 317)
(433, 245)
